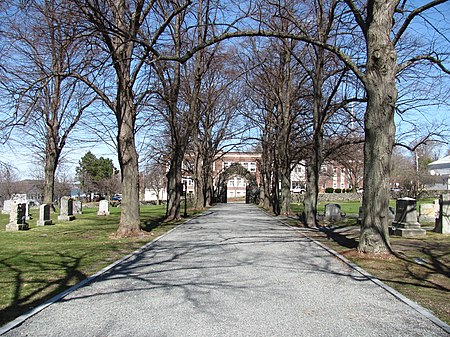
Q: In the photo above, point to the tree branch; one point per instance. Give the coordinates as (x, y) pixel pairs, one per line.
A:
(413, 14)
(419, 58)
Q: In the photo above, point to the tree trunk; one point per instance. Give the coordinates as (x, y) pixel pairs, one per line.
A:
(312, 181)
(128, 161)
(49, 179)
(379, 127)
(51, 162)
(266, 173)
(174, 186)
(285, 192)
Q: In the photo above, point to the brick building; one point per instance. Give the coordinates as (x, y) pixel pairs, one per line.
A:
(332, 175)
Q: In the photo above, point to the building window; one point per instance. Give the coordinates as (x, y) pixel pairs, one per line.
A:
(252, 166)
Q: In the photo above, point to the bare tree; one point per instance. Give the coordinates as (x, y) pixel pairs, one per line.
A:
(376, 21)
(8, 181)
(130, 36)
(45, 42)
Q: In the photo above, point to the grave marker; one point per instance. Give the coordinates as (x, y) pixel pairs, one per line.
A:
(443, 221)
(44, 216)
(103, 208)
(17, 217)
(405, 223)
(333, 212)
(66, 211)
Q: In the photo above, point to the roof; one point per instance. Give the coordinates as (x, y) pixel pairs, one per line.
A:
(440, 167)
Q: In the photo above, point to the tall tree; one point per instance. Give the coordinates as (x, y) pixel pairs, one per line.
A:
(93, 172)
(376, 21)
(45, 41)
(130, 37)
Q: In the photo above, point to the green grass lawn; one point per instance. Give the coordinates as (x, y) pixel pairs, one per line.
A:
(349, 207)
(43, 261)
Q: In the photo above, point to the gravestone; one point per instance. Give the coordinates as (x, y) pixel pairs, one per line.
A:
(333, 212)
(66, 210)
(7, 206)
(44, 216)
(390, 215)
(405, 223)
(17, 217)
(21, 198)
(103, 208)
(77, 207)
(443, 221)
(427, 213)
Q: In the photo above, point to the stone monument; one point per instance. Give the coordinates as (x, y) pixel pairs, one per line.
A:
(443, 221)
(103, 208)
(333, 212)
(77, 207)
(44, 216)
(427, 213)
(7, 206)
(17, 217)
(405, 223)
(66, 211)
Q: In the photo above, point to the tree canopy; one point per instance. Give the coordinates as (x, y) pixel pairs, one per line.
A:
(93, 173)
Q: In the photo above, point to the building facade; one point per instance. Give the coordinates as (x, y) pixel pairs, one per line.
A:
(332, 175)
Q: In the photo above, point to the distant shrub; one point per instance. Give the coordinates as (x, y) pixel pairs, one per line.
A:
(329, 190)
(337, 190)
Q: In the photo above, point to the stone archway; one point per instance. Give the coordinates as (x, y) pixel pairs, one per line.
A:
(237, 170)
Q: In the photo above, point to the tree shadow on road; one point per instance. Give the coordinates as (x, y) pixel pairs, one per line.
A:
(23, 300)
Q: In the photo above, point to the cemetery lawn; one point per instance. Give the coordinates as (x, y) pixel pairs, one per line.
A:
(38, 264)
(419, 267)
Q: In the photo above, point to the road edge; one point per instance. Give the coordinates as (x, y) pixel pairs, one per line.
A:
(417, 307)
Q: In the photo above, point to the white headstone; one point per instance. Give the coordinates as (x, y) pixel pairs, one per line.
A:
(7, 206)
(77, 207)
(103, 208)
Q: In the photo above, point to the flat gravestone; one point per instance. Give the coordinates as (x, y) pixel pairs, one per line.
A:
(103, 208)
(17, 217)
(405, 223)
(443, 222)
(66, 211)
(44, 216)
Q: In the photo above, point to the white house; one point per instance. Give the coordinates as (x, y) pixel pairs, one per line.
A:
(441, 168)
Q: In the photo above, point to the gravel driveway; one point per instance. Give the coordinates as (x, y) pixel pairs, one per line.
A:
(234, 271)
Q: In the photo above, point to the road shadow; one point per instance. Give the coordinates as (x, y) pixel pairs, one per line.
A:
(23, 300)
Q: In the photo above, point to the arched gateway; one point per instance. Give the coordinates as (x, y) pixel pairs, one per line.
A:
(224, 180)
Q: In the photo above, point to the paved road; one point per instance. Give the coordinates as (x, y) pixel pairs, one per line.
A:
(233, 271)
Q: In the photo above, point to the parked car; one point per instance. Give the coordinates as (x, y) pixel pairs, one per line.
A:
(116, 200)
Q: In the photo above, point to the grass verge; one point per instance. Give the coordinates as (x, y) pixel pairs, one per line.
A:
(40, 263)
